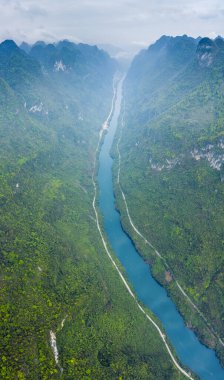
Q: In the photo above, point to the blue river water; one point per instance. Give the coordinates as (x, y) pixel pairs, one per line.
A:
(199, 359)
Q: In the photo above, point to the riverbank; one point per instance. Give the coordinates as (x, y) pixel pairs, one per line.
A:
(146, 288)
(201, 326)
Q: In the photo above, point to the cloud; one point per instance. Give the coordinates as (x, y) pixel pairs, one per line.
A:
(33, 11)
(119, 22)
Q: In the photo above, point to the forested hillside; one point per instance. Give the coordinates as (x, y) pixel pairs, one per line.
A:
(172, 172)
(64, 312)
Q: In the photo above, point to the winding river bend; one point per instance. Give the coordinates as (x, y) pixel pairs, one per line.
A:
(190, 351)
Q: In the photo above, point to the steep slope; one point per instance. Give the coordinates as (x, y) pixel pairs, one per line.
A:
(172, 173)
(64, 312)
(68, 57)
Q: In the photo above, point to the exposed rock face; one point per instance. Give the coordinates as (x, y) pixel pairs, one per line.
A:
(168, 277)
(206, 52)
(59, 66)
(212, 153)
(168, 164)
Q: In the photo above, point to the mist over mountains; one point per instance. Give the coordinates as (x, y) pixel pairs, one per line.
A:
(173, 148)
(57, 287)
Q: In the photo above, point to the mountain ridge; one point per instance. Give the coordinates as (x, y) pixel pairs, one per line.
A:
(173, 150)
(62, 303)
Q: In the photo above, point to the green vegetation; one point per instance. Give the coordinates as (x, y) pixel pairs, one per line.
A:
(55, 275)
(172, 172)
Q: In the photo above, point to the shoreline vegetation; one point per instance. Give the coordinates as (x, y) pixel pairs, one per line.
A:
(53, 264)
(163, 124)
(169, 272)
(161, 334)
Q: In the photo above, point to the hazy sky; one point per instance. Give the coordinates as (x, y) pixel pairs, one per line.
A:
(119, 22)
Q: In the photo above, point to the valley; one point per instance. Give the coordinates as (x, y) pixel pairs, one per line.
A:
(64, 312)
(171, 174)
(80, 282)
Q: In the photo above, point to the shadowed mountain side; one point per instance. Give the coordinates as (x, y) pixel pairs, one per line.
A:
(172, 171)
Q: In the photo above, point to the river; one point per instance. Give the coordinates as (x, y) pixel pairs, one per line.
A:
(190, 351)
